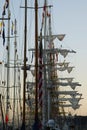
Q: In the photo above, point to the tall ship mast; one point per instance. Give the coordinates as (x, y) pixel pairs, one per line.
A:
(54, 99)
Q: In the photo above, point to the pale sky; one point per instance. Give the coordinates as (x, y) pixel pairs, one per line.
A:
(69, 17)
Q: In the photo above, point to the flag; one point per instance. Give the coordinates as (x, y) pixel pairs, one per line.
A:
(0, 28)
(56, 56)
(6, 118)
(12, 27)
(0, 32)
(4, 12)
(44, 8)
(0, 24)
(7, 3)
(32, 57)
(40, 72)
(3, 35)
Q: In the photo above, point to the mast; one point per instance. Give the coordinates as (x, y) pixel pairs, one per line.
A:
(15, 51)
(8, 69)
(24, 78)
(49, 73)
(44, 60)
(36, 59)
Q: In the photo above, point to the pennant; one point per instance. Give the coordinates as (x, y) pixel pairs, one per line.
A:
(0, 24)
(32, 57)
(44, 8)
(12, 28)
(1, 28)
(4, 12)
(7, 3)
(0, 32)
(3, 36)
(56, 56)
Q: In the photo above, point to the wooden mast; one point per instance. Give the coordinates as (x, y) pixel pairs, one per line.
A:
(24, 78)
(36, 62)
(36, 58)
